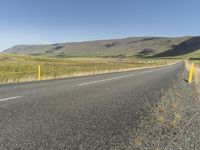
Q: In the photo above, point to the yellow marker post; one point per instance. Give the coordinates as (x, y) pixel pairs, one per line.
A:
(39, 73)
(191, 73)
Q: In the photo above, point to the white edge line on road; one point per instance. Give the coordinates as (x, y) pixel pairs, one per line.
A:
(109, 79)
(106, 80)
(10, 98)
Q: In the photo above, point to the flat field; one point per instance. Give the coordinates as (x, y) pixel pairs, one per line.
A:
(20, 68)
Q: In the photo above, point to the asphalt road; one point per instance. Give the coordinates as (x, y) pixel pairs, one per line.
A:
(93, 112)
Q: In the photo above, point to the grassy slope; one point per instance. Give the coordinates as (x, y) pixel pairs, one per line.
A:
(128, 47)
(17, 68)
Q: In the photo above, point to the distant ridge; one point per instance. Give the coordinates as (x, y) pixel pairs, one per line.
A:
(127, 47)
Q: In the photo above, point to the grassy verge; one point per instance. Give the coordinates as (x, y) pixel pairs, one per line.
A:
(196, 76)
(19, 68)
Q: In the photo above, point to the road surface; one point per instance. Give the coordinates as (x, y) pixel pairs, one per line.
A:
(93, 112)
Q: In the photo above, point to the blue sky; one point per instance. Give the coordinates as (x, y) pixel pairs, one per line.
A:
(52, 21)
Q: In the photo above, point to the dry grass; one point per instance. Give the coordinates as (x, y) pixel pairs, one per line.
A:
(19, 68)
(196, 76)
(157, 132)
(166, 126)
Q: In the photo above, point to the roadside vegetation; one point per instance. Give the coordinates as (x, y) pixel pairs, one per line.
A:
(196, 76)
(174, 120)
(19, 68)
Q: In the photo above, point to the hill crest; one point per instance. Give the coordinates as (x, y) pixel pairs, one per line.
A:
(127, 47)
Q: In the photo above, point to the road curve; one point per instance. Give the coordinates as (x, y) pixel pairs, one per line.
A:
(93, 112)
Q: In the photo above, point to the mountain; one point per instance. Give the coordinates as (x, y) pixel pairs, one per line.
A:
(127, 47)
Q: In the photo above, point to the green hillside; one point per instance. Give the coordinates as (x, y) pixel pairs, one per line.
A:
(121, 48)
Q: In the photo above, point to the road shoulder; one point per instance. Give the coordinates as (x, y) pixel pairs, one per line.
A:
(174, 122)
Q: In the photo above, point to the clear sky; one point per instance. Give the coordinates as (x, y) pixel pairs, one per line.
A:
(51, 21)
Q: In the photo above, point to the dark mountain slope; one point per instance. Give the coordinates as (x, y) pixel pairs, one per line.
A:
(186, 47)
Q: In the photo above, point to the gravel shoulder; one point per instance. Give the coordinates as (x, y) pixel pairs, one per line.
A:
(175, 120)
